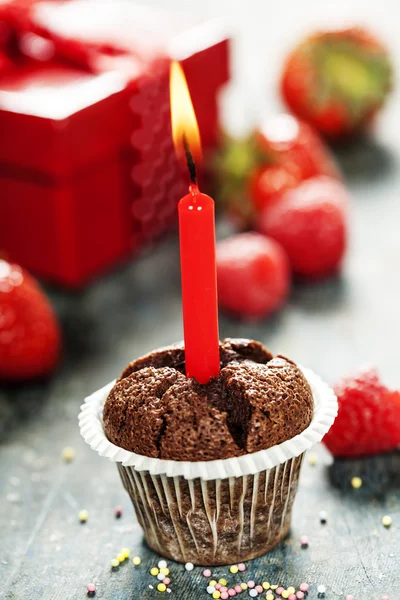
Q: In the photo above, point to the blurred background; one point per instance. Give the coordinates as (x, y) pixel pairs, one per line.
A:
(89, 184)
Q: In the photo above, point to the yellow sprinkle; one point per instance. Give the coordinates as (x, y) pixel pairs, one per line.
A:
(164, 571)
(125, 552)
(312, 458)
(212, 583)
(234, 569)
(161, 587)
(386, 521)
(243, 586)
(115, 562)
(291, 590)
(222, 581)
(68, 454)
(136, 560)
(356, 482)
(154, 571)
(285, 594)
(269, 597)
(83, 516)
(121, 557)
(216, 594)
(274, 587)
(266, 585)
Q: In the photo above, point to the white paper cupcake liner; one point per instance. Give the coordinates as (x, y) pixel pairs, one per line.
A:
(325, 411)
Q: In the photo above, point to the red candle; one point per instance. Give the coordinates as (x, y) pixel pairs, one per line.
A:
(197, 245)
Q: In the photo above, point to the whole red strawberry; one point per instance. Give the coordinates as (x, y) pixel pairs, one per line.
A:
(337, 80)
(294, 144)
(253, 275)
(310, 223)
(29, 333)
(368, 421)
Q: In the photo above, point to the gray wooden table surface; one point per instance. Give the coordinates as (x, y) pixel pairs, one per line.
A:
(332, 327)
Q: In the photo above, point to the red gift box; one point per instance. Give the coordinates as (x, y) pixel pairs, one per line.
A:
(87, 167)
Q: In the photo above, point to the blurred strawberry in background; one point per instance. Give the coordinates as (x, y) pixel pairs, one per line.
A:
(310, 222)
(368, 421)
(30, 340)
(289, 141)
(253, 275)
(337, 80)
(252, 173)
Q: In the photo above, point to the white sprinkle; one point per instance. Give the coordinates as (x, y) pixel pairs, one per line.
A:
(210, 589)
(169, 590)
(323, 516)
(321, 589)
(151, 587)
(189, 566)
(161, 576)
(162, 564)
(253, 593)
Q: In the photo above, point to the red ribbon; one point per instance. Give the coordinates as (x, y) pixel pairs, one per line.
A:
(23, 39)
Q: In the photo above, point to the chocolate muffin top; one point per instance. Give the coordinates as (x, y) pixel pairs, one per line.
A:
(255, 402)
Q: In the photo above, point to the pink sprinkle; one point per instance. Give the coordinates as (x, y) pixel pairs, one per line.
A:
(250, 584)
(207, 573)
(224, 596)
(241, 567)
(232, 592)
(238, 589)
(167, 581)
(218, 586)
(304, 587)
(91, 588)
(300, 595)
(280, 589)
(304, 540)
(223, 589)
(349, 597)
(292, 597)
(118, 512)
(385, 598)
(259, 589)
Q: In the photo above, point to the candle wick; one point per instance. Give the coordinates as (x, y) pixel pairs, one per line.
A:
(190, 161)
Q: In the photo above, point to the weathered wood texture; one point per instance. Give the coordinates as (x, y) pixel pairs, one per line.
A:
(45, 553)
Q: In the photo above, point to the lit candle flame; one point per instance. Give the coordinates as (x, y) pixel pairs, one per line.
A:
(185, 131)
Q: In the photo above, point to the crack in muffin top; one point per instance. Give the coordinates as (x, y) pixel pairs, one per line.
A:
(256, 401)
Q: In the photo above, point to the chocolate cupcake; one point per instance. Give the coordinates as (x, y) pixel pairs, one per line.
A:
(212, 470)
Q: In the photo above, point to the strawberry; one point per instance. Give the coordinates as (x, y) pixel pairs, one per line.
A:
(267, 184)
(29, 333)
(337, 80)
(297, 146)
(368, 421)
(252, 172)
(309, 222)
(253, 275)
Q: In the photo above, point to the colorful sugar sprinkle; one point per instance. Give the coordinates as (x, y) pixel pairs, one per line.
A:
(304, 587)
(162, 587)
(189, 566)
(162, 564)
(386, 521)
(349, 597)
(118, 512)
(68, 454)
(356, 482)
(83, 515)
(136, 560)
(206, 573)
(234, 569)
(91, 588)
(115, 563)
(304, 541)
